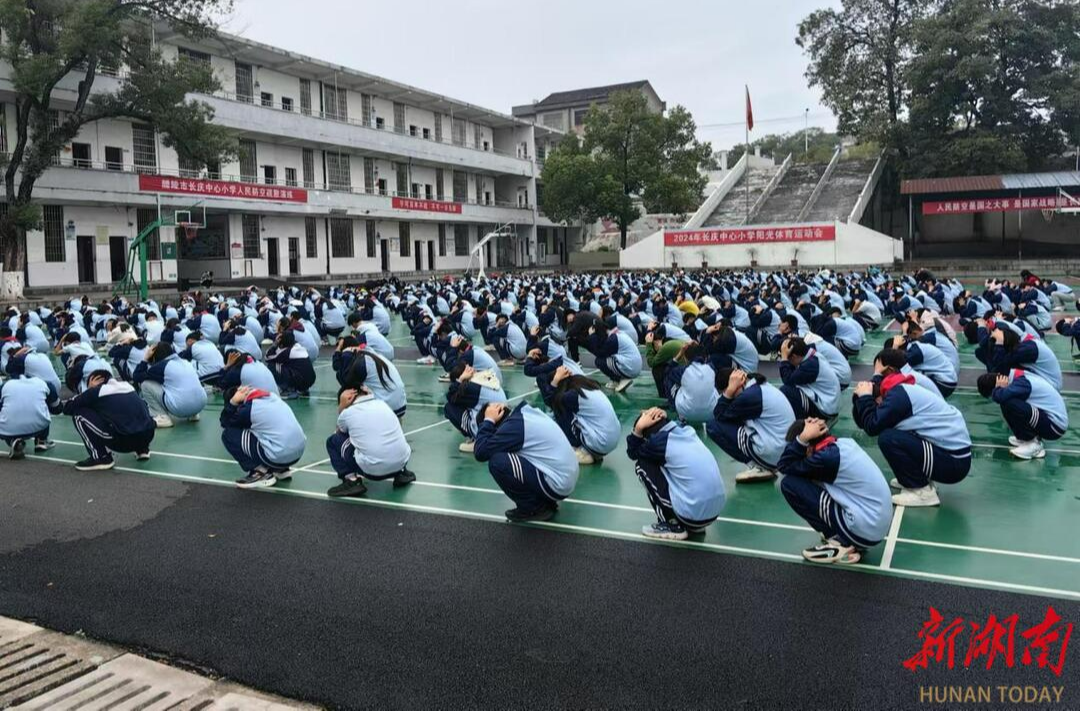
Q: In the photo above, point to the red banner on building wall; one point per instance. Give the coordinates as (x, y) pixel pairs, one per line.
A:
(399, 203)
(220, 188)
(967, 207)
(750, 235)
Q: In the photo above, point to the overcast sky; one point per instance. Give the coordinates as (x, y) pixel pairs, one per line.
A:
(494, 53)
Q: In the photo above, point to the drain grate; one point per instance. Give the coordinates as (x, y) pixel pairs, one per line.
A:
(34, 661)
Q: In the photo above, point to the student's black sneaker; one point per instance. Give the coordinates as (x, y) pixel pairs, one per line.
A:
(348, 487)
(403, 478)
(18, 449)
(258, 479)
(43, 445)
(142, 456)
(282, 474)
(93, 465)
(519, 516)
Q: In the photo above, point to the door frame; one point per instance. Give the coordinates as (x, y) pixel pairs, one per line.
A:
(294, 242)
(123, 241)
(273, 257)
(81, 240)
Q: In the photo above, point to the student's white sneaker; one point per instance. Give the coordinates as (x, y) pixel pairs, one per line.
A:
(623, 384)
(1015, 441)
(507, 363)
(754, 474)
(444, 378)
(194, 418)
(209, 389)
(895, 483)
(426, 360)
(467, 446)
(489, 348)
(1058, 308)
(832, 551)
(267, 342)
(163, 422)
(1029, 450)
(914, 498)
(584, 456)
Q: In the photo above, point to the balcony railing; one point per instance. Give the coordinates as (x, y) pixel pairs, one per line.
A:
(332, 187)
(371, 125)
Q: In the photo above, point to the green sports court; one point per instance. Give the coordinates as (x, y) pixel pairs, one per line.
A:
(1004, 527)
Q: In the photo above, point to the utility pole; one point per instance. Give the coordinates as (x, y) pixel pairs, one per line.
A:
(806, 131)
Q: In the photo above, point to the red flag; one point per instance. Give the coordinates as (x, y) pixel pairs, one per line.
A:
(749, 112)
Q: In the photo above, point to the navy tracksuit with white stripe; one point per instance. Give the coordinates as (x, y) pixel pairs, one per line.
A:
(1032, 407)
(111, 418)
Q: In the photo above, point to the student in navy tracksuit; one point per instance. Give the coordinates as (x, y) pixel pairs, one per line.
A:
(584, 414)
(1007, 350)
(679, 473)
(928, 360)
(170, 386)
(691, 385)
(110, 417)
(923, 438)
(236, 335)
(242, 369)
(509, 341)
(810, 383)
(838, 489)
(1032, 407)
(26, 406)
(367, 444)
(206, 357)
(260, 431)
(466, 399)
(749, 422)
(970, 307)
(289, 362)
(617, 355)
(729, 348)
(27, 361)
(528, 457)
(462, 351)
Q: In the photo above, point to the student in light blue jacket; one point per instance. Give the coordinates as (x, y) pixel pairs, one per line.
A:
(368, 444)
(692, 385)
(679, 473)
(206, 358)
(28, 361)
(261, 433)
(836, 487)
(363, 368)
(1032, 407)
(26, 406)
(810, 383)
(529, 458)
(749, 422)
(170, 386)
(584, 414)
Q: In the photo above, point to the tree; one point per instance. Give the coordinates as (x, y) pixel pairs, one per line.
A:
(47, 41)
(644, 155)
(571, 182)
(994, 87)
(859, 57)
(822, 145)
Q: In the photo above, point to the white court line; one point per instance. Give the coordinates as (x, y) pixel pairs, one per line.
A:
(1072, 594)
(992, 551)
(309, 467)
(890, 538)
(163, 454)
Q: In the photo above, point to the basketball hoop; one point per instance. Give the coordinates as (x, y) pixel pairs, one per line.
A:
(1048, 213)
(191, 229)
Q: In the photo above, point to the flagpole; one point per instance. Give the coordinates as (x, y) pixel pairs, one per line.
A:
(746, 173)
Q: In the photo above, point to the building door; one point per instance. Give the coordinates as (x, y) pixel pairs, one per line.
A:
(418, 255)
(272, 256)
(294, 255)
(118, 257)
(84, 247)
(431, 255)
(384, 251)
(487, 256)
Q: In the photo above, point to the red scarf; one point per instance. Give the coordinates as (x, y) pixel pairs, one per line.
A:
(825, 442)
(256, 394)
(891, 381)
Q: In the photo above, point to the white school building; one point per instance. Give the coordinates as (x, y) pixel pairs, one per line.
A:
(339, 173)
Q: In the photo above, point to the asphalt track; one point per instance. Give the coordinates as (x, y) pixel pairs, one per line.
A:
(366, 607)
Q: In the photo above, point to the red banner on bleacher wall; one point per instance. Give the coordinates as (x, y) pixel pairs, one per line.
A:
(220, 188)
(967, 207)
(400, 203)
(750, 235)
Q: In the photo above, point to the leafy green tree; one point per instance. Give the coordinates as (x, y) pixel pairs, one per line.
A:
(994, 87)
(822, 145)
(46, 42)
(859, 57)
(571, 182)
(644, 155)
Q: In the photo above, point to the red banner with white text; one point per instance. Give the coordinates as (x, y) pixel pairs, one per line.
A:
(220, 189)
(400, 203)
(750, 235)
(967, 207)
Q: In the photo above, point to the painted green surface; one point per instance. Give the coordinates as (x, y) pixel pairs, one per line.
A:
(1010, 524)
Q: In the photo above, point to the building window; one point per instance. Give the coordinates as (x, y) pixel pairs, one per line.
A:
(461, 186)
(80, 155)
(478, 135)
(213, 170)
(366, 110)
(380, 123)
(305, 97)
(189, 167)
(461, 240)
(579, 116)
(53, 219)
(442, 240)
(369, 175)
(145, 148)
(249, 163)
(341, 237)
(286, 104)
(190, 55)
(369, 228)
(114, 158)
(399, 117)
(479, 182)
(413, 130)
(554, 120)
(428, 195)
(338, 171)
(404, 240)
(250, 230)
(270, 174)
(244, 86)
(311, 237)
(267, 99)
(415, 191)
(382, 186)
(402, 170)
(440, 192)
(334, 103)
(309, 168)
(290, 177)
(426, 133)
(438, 127)
(144, 217)
(458, 132)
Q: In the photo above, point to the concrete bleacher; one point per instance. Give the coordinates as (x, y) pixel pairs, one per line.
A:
(732, 209)
(841, 191)
(788, 199)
